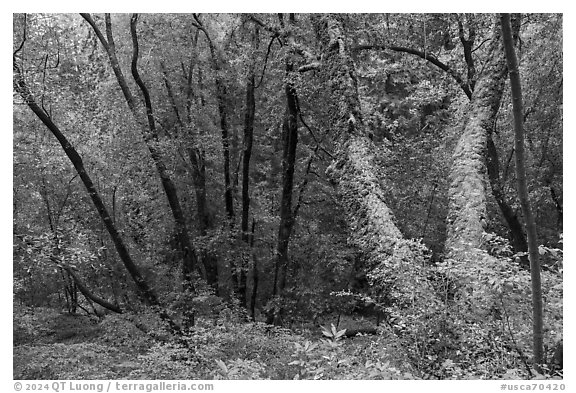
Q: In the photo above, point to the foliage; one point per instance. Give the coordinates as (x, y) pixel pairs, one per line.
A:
(333, 334)
(384, 258)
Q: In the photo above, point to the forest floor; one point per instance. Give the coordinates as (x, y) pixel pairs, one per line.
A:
(49, 344)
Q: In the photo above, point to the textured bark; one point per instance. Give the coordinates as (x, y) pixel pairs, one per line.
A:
(537, 312)
(516, 233)
(467, 193)
(396, 264)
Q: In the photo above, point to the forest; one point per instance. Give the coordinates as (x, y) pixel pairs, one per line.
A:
(287, 196)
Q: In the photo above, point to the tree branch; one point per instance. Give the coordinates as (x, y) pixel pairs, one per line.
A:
(426, 56)
(137, 78)
(85, 291)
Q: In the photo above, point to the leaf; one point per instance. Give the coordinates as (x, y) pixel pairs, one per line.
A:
(334, 332)
(340, 333)
(222, 366)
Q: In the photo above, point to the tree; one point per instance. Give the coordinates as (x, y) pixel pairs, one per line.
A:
(396, 264)
(150, 136)
(537, 324)
(290, 143)
(248, 141)
(467, 217)
(355, 149)
(22, 88)
(221, 94)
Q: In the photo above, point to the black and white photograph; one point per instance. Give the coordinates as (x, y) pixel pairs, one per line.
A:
(286, 196)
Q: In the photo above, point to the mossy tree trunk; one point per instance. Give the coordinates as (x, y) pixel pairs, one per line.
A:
(467, 212)
(397, 264)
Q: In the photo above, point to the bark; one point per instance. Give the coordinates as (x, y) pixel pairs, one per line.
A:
(516, 233)
(150, 137)
(537, 313)
(22, 88)
(467, 193)
(249, 115)
(290, 142)
(519, 243)
(395, 262)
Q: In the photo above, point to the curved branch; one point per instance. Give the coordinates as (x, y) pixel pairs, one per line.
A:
(136, 75)
(266, 60)
(426, 56)
(481, 44)
(88, 18)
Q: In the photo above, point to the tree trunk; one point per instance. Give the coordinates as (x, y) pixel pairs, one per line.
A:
(396, 262)
(289, 144)
(224, 268)
(248, 141)
(23, 90)
(188, 253)
(150, 137)
(516, 234)
(537, 315)
(197, 169)
(221, 93)
(467, 193)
